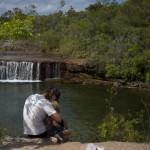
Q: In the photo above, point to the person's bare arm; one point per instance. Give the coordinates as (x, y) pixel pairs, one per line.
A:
(57, 117)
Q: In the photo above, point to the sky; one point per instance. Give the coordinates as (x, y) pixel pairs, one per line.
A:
(44, 7)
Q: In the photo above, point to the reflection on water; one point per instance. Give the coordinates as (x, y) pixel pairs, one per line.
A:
(83, 106)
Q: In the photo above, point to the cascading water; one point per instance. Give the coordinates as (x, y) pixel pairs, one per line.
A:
(13, 71)
(38, 71)
(19, 71)
(53, 70)
(57, 70)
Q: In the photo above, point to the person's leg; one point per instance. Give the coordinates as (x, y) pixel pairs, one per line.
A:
(57, 130)
(43, 135)
(66, 134)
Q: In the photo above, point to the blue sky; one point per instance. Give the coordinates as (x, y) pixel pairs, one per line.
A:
(44, 7)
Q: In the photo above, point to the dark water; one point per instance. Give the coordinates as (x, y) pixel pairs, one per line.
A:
(83, 106)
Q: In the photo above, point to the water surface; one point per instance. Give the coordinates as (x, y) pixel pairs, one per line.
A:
(83, 106)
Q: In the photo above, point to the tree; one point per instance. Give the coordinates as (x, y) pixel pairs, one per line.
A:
(62, 3)
(31, 10)
(17, 29)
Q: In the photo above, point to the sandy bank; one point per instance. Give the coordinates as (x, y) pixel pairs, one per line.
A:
(17, 143)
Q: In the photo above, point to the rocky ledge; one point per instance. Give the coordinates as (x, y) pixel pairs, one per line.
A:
(15, 143)
(72, 70)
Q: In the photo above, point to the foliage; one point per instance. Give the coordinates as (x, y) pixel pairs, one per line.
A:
(147, 78)
(49, 40)
(120, 127)
(1, 135)
(145, 118)
(112, 70)
(16, 28)
(115, 36)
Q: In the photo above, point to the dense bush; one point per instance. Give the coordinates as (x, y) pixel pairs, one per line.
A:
(114, 35)
(17, 29)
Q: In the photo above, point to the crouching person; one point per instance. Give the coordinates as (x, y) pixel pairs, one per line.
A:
(36, 109)
(59, 129)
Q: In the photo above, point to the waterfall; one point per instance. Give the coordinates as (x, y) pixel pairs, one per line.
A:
(18, 71)
(53, 70)
(56, 70)
(38, 71)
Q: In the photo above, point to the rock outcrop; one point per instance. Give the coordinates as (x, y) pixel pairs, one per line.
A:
(15, 143)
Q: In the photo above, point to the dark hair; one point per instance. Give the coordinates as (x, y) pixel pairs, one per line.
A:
(55, 91)
(50, 92)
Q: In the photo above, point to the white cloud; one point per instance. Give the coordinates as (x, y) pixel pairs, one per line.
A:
(44, 6)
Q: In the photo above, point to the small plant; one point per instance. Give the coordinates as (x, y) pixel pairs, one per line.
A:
(109, 127)
(112, 70)
(1, 135)
(145, 118)
(112, 93)
(118, 127)
(115, 126)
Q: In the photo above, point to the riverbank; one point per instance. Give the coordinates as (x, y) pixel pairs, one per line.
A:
(15, 143)
(85, 79)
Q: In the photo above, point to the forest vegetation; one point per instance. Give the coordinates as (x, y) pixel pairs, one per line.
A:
(113, 36)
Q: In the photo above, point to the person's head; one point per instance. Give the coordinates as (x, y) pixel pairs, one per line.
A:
(55, 104)
(52, 94)
(55, 94)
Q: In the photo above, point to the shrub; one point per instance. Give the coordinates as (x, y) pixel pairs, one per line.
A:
(118, 127)
(112, 70)
(147, 78)
(1, 135)
(17, 29)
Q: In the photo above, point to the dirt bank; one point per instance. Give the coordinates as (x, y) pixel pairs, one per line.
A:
(15, 143)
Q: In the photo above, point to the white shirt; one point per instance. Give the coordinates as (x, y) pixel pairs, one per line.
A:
(36, 108)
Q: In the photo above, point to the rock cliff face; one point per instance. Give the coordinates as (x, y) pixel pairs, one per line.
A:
(50, 65)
